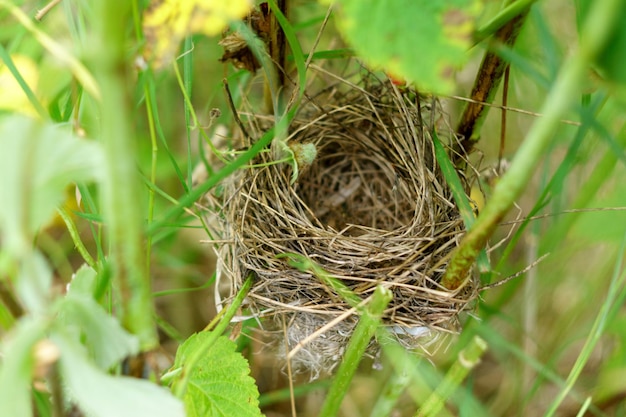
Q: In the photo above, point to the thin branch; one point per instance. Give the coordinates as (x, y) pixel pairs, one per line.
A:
(487, 82)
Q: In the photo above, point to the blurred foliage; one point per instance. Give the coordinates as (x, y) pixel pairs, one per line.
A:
(557, 332)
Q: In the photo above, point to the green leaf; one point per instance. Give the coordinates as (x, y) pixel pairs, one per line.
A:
(37, 162)
(16, 367)
(83, 282)
(34, 281)
(423, 41)
(103, 395)
(104, 335)
(612, 58)
(220, 384)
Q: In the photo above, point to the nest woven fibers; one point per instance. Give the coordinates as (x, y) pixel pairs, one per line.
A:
(372, 208)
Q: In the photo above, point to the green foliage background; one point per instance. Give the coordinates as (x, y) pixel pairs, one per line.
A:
(88, 281)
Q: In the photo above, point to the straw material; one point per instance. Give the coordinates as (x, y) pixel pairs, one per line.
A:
(371, 209)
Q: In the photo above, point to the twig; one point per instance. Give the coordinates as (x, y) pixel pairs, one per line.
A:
(487, 81)
(512, 109)
(515, 275)
(233, 110)
(43, 12)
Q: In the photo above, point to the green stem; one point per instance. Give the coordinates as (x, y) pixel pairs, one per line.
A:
(390, 394)
(121, 187)
(180, 387)
(361, 337)
(80, 246)
(153, 137)
(598, 27)
(467, 360)
(502, 18)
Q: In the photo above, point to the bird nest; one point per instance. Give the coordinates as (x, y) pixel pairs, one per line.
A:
(372, 208)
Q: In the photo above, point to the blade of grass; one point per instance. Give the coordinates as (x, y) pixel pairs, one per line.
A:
(597, 29)
(75, 235)
(502, 18)
(303, 263)
(556, 183)
(459, 195)
(6, 58)
(496, 341)
(193, 195)
(616, 287)
(285, 394)
(187, 86)
(180, 386)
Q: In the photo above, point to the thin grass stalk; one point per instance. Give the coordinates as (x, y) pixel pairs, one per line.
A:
(187, 86)
(154, 147)
(599, 25)
(120, 188)
(497, 342)
(467, 360)
(368, 323)
(180, 386)
(75, 235)
(390, 394)
(587, 190)
(32, 98)
(193, 195)
(615, 288)
(555, 183)
(285, 394)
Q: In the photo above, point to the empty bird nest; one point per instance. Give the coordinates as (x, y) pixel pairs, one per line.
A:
(372, 208)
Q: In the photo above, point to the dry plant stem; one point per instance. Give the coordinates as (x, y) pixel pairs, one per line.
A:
(41, 13)
(487, 81)
(467, 360)
(7, 298)
(373, 207)
(120, 189)
(58, 402)
(277, 45)
(598, 27)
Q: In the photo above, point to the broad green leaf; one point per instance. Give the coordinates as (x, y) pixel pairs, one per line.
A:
(37, 162)
(101, 395)
(423, 41)
(83, 282)
(34, 281)
(104, 336)
(220, 384)
(16, 366)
